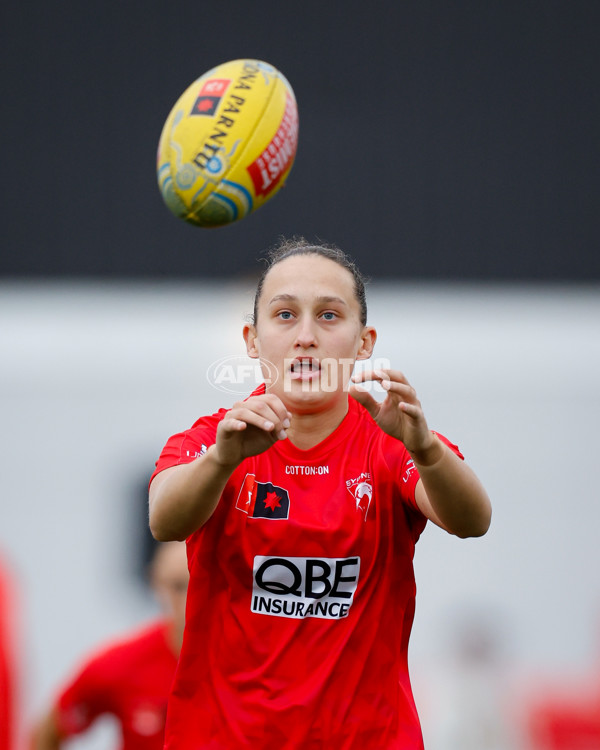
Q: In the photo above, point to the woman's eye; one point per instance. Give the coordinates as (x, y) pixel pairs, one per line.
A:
(329, 316)
(285, 315)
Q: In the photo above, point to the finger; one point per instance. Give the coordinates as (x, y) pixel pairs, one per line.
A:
(396, 376)
(283, 417)
(400, 391)
(233, 425)
(365, 399)
(380, 375)
(411, 410)
(280, 415)
(263, 418)
(364, 375)
(270, 411)
(376, 376)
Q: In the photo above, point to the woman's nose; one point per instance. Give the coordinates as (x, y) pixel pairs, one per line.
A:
(305, 336)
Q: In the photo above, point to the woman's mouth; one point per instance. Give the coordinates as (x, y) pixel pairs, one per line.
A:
(304, 368)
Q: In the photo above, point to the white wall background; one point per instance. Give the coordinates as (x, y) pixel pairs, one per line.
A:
(94, 378)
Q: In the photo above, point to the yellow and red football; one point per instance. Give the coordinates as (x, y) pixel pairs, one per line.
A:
(228, 144)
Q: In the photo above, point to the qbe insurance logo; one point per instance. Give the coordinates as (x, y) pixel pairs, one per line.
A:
(298, 587)
(241, 375)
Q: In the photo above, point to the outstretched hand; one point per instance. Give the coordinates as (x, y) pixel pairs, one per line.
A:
(400, 413)
(251, 427)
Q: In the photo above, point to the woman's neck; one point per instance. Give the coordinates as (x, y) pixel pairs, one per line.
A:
(309, 429)
(174, 636)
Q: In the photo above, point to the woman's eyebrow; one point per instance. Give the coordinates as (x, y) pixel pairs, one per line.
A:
(293, 298)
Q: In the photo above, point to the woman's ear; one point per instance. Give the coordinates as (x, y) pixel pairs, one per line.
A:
(367, 344)
(251, 340)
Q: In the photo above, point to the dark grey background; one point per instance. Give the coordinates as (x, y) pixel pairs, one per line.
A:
(438, 140)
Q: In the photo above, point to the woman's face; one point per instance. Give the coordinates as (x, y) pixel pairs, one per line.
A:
(308, 328)
(169, 578)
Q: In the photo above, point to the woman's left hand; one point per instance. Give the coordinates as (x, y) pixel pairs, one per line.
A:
(400, 413)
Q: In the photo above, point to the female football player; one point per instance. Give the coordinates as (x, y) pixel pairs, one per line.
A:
(301, 506)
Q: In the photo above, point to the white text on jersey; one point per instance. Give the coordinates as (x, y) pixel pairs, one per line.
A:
(306, 469)
(299, 587)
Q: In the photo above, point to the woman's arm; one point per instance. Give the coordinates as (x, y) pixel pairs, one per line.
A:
(46, 734)
(182, 498)
(448, 493)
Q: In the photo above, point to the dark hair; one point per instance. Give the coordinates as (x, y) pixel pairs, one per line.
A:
(287, 248)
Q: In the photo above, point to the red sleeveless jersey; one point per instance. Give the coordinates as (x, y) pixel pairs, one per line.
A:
(301, 598)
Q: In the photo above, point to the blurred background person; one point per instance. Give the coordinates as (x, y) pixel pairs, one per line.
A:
(9, 679)
(467, 695)
(562, 712)
(131, 677)
(565, 722)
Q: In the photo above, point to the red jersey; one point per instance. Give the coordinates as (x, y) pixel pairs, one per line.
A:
(129, 679)
(8, 687)
(301, 597)
(568, 723)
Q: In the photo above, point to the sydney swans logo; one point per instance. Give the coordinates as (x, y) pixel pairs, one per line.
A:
(361, 490)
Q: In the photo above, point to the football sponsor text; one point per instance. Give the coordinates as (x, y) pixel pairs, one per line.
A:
(299, 587)
(234, 104)
(271, 165)
(306, 470)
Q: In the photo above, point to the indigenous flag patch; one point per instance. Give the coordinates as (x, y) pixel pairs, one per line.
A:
(210, 96)
(263, 499)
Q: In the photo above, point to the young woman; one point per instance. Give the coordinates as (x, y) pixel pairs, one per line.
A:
(128, 678)
(301, 506)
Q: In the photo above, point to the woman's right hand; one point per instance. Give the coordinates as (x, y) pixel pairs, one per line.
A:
(251, 427)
